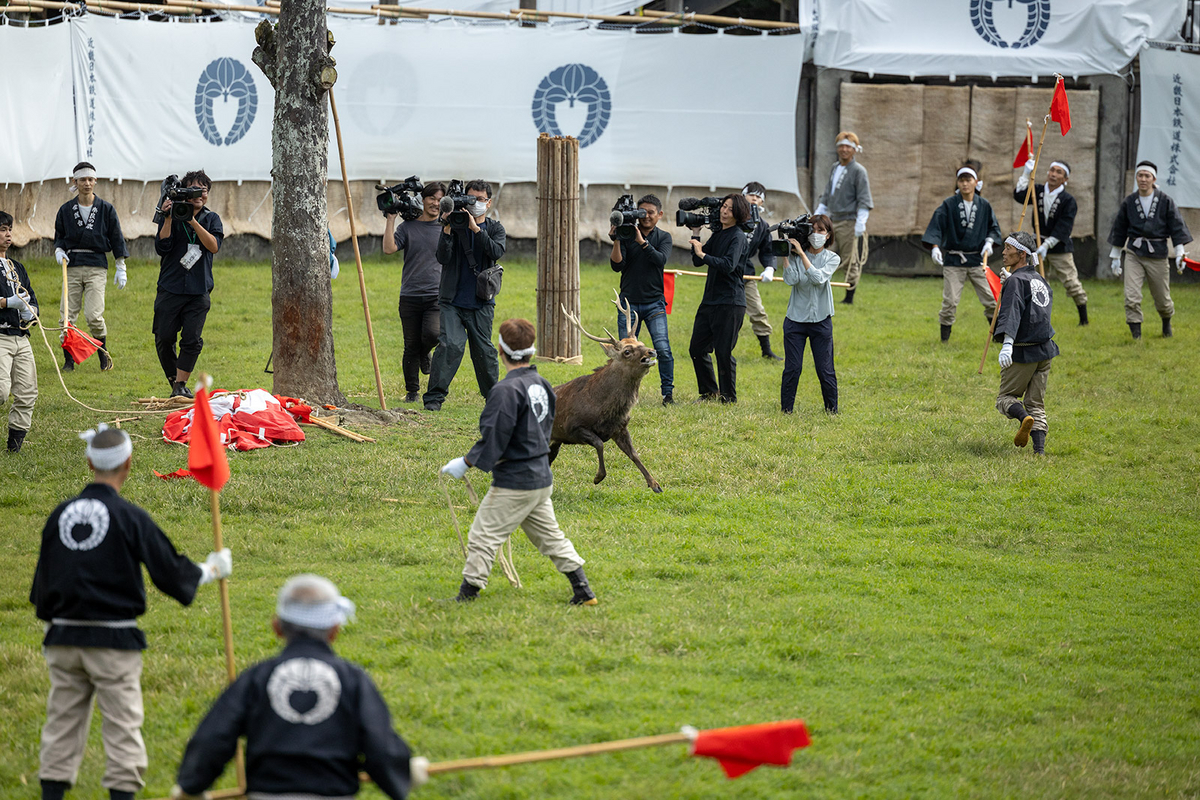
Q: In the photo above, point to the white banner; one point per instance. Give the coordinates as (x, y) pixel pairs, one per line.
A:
(449, 100)
(989, 37)
(37, 134)
(1170, 126)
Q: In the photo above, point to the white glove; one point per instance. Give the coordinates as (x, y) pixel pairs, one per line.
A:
(860, 228)
(27, 316)
(987, 248)
(217, 565)
(821, 209)
(119, 277)
(1050, 243)
(768, 274)
(418, 770)
(1004, 275)
(1041, 251)
(456, 468)
(1006, 352)
(937, 255)
(1179, 254)
(1029, 165)
(60, 255)
(334, 267)
(1116, 267)
(177, 793)
(15, 301)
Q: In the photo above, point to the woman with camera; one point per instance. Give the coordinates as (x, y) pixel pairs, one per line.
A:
(723, 307)
(810, 313)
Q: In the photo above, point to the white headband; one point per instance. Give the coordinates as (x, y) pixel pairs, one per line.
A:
(1033, 259)
(83, 172)
(516, 355)
(857, 147)
(318, 616)
(108, 458)
(968, 171)
(748, 193)
(1146, 168)
(1061, 166)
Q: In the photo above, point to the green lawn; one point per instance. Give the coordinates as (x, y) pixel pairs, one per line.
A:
(951, 617)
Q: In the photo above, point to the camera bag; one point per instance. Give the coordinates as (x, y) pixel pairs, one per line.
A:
(487, 280)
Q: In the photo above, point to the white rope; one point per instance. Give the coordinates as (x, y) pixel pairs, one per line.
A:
(506, 562)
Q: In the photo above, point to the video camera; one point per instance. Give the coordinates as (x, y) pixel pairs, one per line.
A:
(403, 198)
(797, 228)
(181, 199)
(625, 216)
(696, 212)
(455, 205)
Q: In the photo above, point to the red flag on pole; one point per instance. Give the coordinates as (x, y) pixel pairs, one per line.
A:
(669, 289)
(747, 747)
(1191, 264)
(78, 344)
(206, 454)
(1060, 109)
(993, 281)
(1026, 151)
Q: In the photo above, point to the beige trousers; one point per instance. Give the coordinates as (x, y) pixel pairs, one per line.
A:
(1026, 384)
(755, 311)
(113, 677)
(1062, 266)
(500, 513)
(1156, 272)
(85, 287)
(953, 281)
(18, 375)
(846, 247)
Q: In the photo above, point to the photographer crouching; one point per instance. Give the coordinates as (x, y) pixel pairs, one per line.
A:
(189, 234)
(470, 244)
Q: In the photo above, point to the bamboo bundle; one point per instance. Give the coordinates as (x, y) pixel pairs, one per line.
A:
(558, 247)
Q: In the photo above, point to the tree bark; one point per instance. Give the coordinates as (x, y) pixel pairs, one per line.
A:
(294, 55)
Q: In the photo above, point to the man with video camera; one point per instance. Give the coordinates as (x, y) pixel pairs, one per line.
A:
(189, 235)
(420, 316)
(640, 259)
(470, 244)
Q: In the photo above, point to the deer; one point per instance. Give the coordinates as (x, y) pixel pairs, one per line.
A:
(592, 409)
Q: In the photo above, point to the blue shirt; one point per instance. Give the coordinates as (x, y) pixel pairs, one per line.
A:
(812, 296)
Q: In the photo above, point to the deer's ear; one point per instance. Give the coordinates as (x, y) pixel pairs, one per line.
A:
(610, 351)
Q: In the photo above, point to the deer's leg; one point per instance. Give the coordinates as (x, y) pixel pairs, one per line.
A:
(622, 440)
(584, 436)
(554, 446)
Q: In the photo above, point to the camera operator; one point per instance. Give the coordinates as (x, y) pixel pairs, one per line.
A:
(640, 261)
(419, 313)
(723, 307)
(186, 249)
(758, 241)
(465, 318)
(810, 313)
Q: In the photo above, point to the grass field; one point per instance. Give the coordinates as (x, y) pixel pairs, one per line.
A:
(951, 617)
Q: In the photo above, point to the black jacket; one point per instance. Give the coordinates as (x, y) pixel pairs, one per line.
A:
(1146, 234)
(641, 267)
(88, 240)
(723, 257)
(1059, 221)
(758, 241)
(10, 318)
(172, 277)
(514, 431)
(1024, 314)
(488, 248)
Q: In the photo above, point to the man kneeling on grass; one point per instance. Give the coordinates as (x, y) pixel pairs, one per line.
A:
(514, 445)
(1024, 327)
(310, 719)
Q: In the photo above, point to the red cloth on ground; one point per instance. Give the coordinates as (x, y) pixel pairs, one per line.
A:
(244, 421)
(746, 747)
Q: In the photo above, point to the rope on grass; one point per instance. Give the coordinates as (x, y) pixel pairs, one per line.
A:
(506, 562)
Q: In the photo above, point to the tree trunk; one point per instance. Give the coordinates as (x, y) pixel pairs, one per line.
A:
(294, 55)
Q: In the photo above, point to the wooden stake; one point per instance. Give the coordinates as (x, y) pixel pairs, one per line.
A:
(227, 624)
(64, 295)
(362, 281)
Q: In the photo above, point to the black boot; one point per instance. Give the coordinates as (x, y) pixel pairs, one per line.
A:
(1082, 314)
(765, 343)
(466, 592)
(118, 794)
(1017, 411)
(68, 362)
(105, 360)
(54, 790)
(1135, 328)
(16, 437)
(584, 596)
(848, 300)
(1039, 442)
(946, 333)
(1167, 328)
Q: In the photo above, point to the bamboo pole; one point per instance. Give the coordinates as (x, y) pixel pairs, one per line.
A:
(764, 24)
(362, 281)
(746, 277)
(991, 328)
(1029, 189)
(662, 17)
(66, 321)
(226, 623)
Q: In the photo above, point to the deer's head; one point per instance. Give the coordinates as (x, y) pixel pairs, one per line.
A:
(628, 352)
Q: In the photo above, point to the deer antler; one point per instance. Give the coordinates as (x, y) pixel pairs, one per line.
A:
(574, 319)
(631, 318)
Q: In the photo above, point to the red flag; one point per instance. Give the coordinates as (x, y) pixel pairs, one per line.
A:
(1060, 109)
(206, 456)
(1191, 264)
(746, 747)
(993, 281)
(78, 344)
(179, 473)
(669, 288)
(1026, 151)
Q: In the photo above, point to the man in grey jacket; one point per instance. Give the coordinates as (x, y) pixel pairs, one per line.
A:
(847, 201)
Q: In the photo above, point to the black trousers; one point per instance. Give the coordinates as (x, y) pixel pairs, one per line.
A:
(715, 330)
(179, 315)
(420, 320)
(819, 336)
(460, 328)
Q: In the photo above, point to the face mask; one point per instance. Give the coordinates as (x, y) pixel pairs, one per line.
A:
(817, 240)
(479, 209)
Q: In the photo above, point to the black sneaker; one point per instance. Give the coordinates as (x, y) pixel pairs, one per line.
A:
(181, 390)
(68, 362)
(467, 592)
(433, 406)
(411, 397)
(668, 400)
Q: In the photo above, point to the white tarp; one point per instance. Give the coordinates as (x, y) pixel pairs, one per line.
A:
(990, 37)
(443, 100)
(37, 134)
(1170, 127)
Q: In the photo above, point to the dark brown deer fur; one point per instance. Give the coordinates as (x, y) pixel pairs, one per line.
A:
(595, 408)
